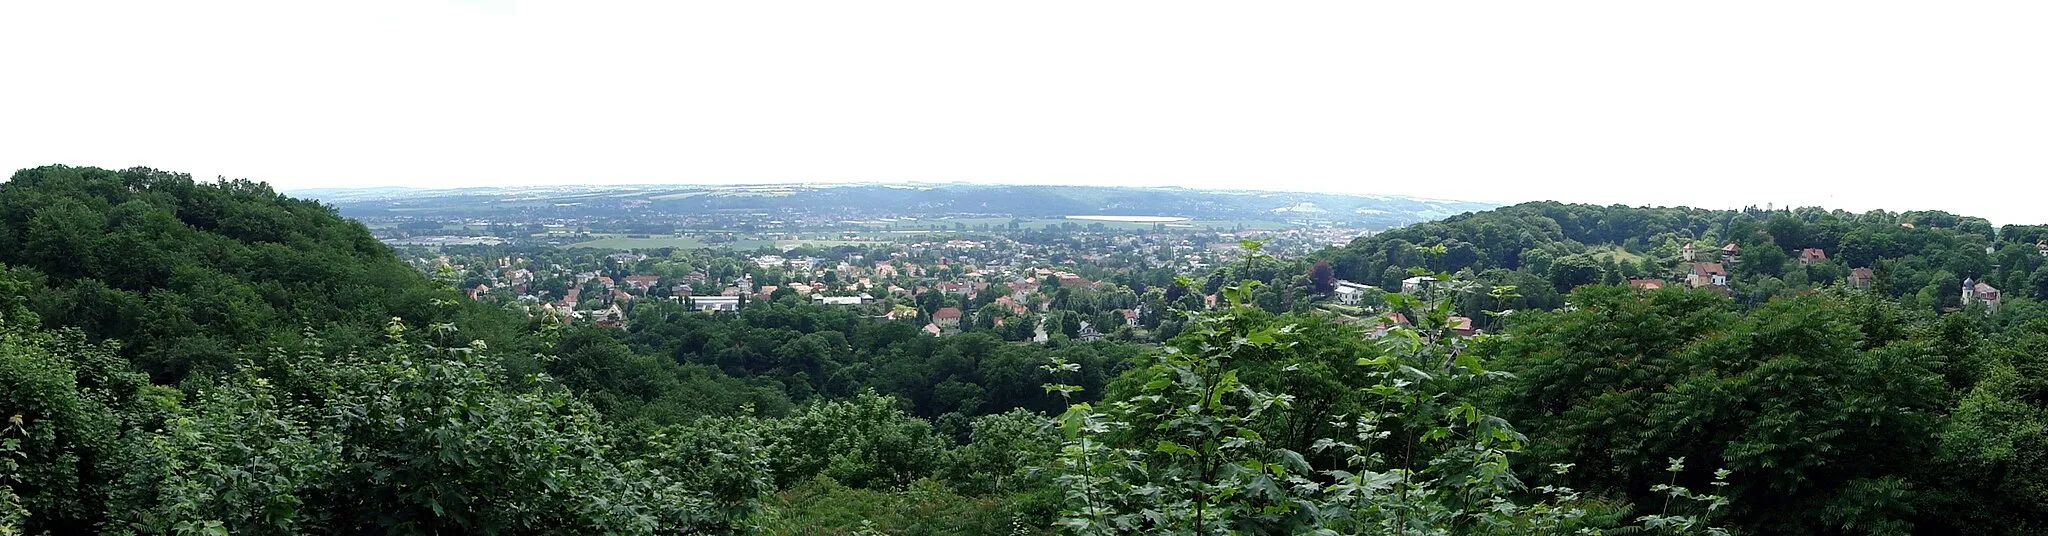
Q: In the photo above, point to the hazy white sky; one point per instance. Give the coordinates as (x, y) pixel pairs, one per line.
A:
(1852, 105)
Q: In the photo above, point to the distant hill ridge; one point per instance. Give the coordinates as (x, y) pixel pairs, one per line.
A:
(1379, 211)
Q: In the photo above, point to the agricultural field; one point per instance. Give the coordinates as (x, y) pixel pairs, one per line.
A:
(622, 242)
(947, 224)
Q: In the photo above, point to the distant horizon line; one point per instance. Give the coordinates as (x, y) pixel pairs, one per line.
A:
(875, 183)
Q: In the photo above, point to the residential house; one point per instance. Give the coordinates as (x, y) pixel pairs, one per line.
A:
(1386, 323)
(642, 282)
(1646, 284)
(932, 330)
(1462, 326)
(1012, 304)
(1811, 256)
(1686, 252)
(947, 317)
(558, 314)
(611, 317)
(1088, 332)
(1730, 251)
(1130, 317)
(1974, 291)
(1417, 283)
(1706, 274)
(1861, 277)
(1349, 293)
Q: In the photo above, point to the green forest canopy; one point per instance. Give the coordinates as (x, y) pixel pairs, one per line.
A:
(179, 356)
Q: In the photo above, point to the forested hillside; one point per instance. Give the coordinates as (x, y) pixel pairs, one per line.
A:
(184, 357)
(184, 274)
(1545, 249)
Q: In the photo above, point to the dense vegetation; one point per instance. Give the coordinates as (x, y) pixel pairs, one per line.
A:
(184, 274)
(1546, 249)
(186, 357)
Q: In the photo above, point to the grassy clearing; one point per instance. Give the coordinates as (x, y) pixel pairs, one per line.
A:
(1619, 255)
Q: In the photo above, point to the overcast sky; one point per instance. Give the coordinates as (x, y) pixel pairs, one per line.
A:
(1853, 105)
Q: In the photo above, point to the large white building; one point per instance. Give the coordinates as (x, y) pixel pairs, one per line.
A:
(712, 303)
(1350, 293)
(1417, 283)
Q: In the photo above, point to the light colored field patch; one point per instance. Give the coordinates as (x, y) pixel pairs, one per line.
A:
(1131, 219)
(620, 242)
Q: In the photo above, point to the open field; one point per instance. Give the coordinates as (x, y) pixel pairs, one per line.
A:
(1619, 255)
(621, 242)
(947, 224)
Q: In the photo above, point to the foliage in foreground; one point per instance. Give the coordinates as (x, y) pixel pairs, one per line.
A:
(411, 438)
(1181, 453)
